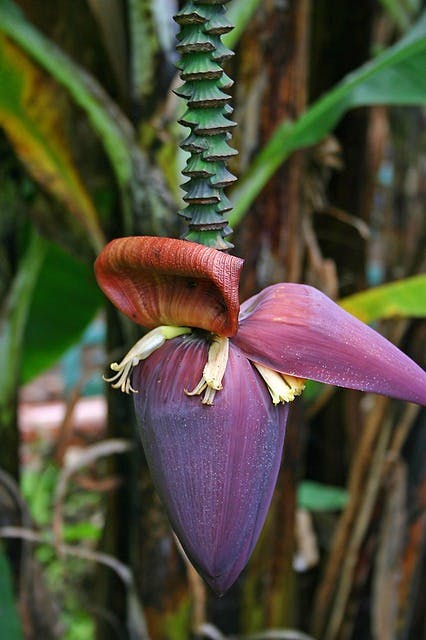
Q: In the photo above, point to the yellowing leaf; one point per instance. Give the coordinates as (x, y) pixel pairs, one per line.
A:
(141, 191)
(31, 118)
(403, 298)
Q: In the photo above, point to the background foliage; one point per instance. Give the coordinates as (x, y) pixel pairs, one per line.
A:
(330, 193)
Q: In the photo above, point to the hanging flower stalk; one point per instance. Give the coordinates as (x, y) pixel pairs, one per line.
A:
(212, 382)
(202, 24)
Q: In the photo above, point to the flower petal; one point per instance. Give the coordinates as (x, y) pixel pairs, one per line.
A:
(297, 330)
(215, 467)
(162, 281)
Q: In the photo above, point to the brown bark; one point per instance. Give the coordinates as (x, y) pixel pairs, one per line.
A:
(273, 87)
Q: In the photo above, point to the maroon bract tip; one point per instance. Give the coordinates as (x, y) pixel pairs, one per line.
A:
(296, 329)
(162, 281)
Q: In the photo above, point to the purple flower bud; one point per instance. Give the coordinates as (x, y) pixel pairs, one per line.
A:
(296, 329)
(215, 462)
(215, 467)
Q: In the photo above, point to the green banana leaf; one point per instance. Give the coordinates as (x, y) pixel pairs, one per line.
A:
(138, 186)
(395, 77)
(403, 298)
(64, 302)
(31, 118)
(14, 314)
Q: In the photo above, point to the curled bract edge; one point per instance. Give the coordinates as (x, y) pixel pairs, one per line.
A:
(163, 281)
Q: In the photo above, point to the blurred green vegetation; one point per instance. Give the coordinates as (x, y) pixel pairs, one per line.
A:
(89, 151)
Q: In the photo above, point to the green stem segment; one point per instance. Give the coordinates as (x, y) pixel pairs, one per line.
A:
(202, 23)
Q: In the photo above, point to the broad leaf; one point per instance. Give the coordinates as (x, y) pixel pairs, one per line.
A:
(14, 314)
(404, 298)
(138, 185)
(397, 76)
(64, 302)
(30, 116)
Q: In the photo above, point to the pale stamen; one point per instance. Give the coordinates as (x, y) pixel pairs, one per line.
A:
(282, 387)
(140, 351)
(213, 371)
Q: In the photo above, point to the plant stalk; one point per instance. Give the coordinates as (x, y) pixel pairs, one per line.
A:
(202, 23)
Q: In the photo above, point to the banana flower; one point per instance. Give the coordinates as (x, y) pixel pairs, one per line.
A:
(212, 383)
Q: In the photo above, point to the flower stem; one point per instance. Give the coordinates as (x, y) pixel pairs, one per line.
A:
(202, 23)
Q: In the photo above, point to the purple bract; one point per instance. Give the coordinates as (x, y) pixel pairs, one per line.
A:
(215, 462)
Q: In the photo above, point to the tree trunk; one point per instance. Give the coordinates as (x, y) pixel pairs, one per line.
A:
(272, 86)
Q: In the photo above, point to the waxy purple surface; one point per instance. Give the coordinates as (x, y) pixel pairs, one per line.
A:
(215, 467)
(296, 329)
